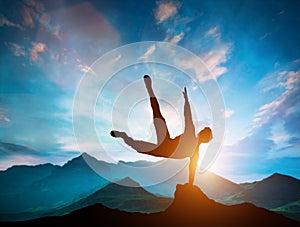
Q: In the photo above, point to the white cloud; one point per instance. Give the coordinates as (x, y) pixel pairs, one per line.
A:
(148, 52)
(3, 117)
(213, 61)
(36, 49)
(84, 68)
(214, 32)
(292, 80)
(16, 49)
(176, 39)
(68, 144)
(165, 10)
(289, 81)
(20, 160)
(215, 58)
(279, 137)
(228, 113)
(5, 21)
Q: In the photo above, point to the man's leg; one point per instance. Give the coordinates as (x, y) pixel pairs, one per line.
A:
(138, 145)
(159, 121)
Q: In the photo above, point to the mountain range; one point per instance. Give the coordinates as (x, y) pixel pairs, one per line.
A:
(191, 207)
(29, 192)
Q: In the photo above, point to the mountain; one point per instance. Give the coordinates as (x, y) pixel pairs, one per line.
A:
(132, 199)
(34, 191)
(213, 185)
(191, 207)
(117, 196)
(47, 187)
(15, 178)
(290, 210)
(274, 191)
(14, 184)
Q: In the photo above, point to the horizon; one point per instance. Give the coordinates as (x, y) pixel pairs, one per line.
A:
(46, 52)
(142, 160)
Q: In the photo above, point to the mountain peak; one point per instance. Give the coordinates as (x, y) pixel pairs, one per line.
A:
(127, 181)
(189, 198)
(82, 158)
(278, 176)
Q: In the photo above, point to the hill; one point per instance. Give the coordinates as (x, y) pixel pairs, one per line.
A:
(117, 196)
(46, 187)
(28, 192)
(272, 192)
(191, 207)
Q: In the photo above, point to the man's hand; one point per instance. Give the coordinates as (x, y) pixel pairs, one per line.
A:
(185, 93)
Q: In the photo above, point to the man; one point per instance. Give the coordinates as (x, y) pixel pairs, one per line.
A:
(182, 146)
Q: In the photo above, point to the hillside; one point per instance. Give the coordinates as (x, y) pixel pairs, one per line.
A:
(191, 207)
(117, 196)
(272, 192)
(35, 191)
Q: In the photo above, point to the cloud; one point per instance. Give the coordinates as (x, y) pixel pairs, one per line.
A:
(273, 143)
(5, 21)
(264, 36)
(19, 159)
(4, 119)
(213, 32)
(28, 14)
(213, 61)
(228, 113)
(68, 143)
(287, 83)
(275, 130)
(166, 10)
(10, 154)
(148, 52)
(33, 14)
(35, 4)
(56, 32)
(36, 49)
(215, 58)
(16, 49)
(175, 39)
(86, 69)
(34, 10)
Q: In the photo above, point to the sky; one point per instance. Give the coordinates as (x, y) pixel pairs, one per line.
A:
(251, 48)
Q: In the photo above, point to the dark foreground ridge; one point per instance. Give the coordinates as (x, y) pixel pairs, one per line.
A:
(191, 207)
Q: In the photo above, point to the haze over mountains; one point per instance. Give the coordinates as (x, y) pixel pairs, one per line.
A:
(35, 191)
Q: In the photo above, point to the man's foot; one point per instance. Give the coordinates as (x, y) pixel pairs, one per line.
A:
(116, 134)
(148, 83)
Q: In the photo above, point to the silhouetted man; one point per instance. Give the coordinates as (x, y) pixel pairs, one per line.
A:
(182, 146)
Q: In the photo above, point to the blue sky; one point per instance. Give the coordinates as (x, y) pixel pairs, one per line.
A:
(251, 47)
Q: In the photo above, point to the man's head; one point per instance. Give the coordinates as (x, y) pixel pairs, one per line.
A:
(205, 135)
